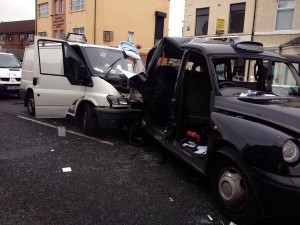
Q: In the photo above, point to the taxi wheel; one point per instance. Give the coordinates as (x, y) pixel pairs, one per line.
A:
(233, 193)
(30, 104)
(136, 136)
(89, 122)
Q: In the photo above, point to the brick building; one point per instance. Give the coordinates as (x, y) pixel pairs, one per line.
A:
(15, 35)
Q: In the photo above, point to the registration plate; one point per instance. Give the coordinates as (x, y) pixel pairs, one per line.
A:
(13, 87)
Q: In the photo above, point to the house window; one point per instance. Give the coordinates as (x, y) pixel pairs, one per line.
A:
(285, 14)
(79, 30)
(131, 36)
(237, 18)
(61, 6)
(10, 38)
(159, 25)
(30, 37)
(56, 34)
(55, 5)
(42, 34)
(201, 21)
(21, 37)
(43, 10)
(62, 34)
(77, 5)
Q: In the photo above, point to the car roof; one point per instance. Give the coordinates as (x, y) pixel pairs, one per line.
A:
(292, 58)
(213, 47)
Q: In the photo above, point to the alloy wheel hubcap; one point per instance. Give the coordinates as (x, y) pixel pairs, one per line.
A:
(232, 189)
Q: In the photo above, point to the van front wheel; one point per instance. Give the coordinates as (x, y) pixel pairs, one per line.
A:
(30, 104)
(89, 122)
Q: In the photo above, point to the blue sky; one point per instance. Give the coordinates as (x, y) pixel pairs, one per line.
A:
(12, 10)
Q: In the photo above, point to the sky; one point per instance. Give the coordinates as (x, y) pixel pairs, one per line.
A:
(12, 10)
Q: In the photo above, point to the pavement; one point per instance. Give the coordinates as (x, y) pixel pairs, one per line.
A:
(110, 182)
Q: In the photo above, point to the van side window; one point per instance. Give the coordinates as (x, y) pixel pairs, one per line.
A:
(51, 58)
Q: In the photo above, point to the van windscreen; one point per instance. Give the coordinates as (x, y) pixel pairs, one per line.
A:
(105, 60)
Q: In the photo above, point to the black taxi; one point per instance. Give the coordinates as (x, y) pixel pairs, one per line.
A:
(232, 112)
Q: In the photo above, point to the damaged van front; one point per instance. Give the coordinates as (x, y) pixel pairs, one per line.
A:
(78, 79)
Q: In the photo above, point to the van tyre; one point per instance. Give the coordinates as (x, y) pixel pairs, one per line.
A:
(233, 193)
(30, 104)
(89, 122)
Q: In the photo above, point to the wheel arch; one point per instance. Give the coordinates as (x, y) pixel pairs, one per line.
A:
(81, 105)
(28, 91)
(225, 150)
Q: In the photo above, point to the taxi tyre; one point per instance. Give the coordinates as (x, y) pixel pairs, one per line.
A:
(233, 193)
(89, 121)
(30, 104)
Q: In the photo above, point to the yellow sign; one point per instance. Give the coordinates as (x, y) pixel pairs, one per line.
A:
(220, 26)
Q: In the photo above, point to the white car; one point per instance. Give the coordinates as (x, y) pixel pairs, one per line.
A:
(61, 78)
(10, 73)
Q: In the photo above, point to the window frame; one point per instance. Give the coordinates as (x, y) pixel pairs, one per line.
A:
(235, 11)
(284, 9)
(42, 34)
(80, 29)
(131, 36)
(202, 15)
(77, 5)
(41, 8)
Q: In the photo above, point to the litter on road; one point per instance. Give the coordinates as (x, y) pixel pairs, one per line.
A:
(66, 169)
(52, 150)
(171, 199)
(61, 131)
(209, 217)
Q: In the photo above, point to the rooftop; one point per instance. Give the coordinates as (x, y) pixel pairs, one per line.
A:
(16, 27)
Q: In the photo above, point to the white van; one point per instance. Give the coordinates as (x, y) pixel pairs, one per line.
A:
(10, 73)
(63, 78)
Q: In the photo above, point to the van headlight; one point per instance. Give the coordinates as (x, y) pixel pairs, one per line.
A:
(290, 151)
(117, 101)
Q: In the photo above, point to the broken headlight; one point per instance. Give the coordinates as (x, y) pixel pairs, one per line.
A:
(117, 101)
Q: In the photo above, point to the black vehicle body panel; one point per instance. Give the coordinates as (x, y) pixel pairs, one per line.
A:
(256, 128)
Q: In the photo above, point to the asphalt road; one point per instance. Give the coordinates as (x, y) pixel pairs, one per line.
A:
(110, 182)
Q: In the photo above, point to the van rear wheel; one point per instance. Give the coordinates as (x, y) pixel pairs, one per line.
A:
(89, 122)
(30, 104)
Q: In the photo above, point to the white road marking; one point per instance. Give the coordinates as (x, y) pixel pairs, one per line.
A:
(68, 131)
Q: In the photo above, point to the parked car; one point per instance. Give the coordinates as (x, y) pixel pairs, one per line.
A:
(10, 73)
(63, 78)
(242, 135)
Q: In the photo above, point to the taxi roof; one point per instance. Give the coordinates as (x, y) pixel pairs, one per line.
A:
(214, 47)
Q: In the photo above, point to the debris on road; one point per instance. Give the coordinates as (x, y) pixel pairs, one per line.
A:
(61, 131)
(66, 169)
(209, 217)
(171, 199)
